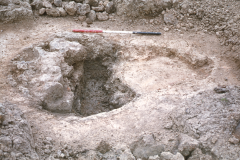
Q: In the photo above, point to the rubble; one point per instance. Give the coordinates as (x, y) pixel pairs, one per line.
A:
(16, 136)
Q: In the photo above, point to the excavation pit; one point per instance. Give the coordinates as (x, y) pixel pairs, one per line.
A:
(71, 75)
(84, 74)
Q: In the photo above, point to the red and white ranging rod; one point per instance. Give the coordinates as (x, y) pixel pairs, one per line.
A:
(124, 32)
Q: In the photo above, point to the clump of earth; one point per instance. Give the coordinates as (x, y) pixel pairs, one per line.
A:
(78, 96)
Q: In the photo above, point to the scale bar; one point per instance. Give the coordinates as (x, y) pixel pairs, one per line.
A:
(119, 32)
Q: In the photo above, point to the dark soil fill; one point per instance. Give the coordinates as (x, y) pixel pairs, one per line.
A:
(98, 94)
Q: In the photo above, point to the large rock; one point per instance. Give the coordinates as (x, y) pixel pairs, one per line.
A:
(92, 15)
(83, 9)
(42, 11)
(187, 144)
(146, 147)
(37, 4)
(62, 12)
(54, 12)
(156, 157)
(47, 4)
(75, 52)
(102, 16)
(54, 98)
(93, 3)
(170, 156)
(197, 154)
(110, 8)
(71, 8)
(99, 8)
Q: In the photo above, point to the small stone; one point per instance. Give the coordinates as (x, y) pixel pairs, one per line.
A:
(89, 21)
(178, 26)
(71, 8)
(220, 90)
(234, 140)
(167, 4)
(98, 9)
(62, 155)
(46, 142)
(42, 11)
(103, 147)
(84, 24)
(18, 154)
(190, 11)
(58, 3)
(168, 125)
(111, 17)
(184, 8)
(47, 4)
(237, 132)
(166, 29)
(175, 3)
(82, 18)
(47, 151)
(1, 118)
(156, 157)
(170, 19)
(49, 139)
(102, 16)
(100, 3)
(214, 139)
(5, 123)
(110, 8)
(191, 25)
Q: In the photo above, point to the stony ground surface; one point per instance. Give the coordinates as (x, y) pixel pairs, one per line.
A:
(178, 93)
